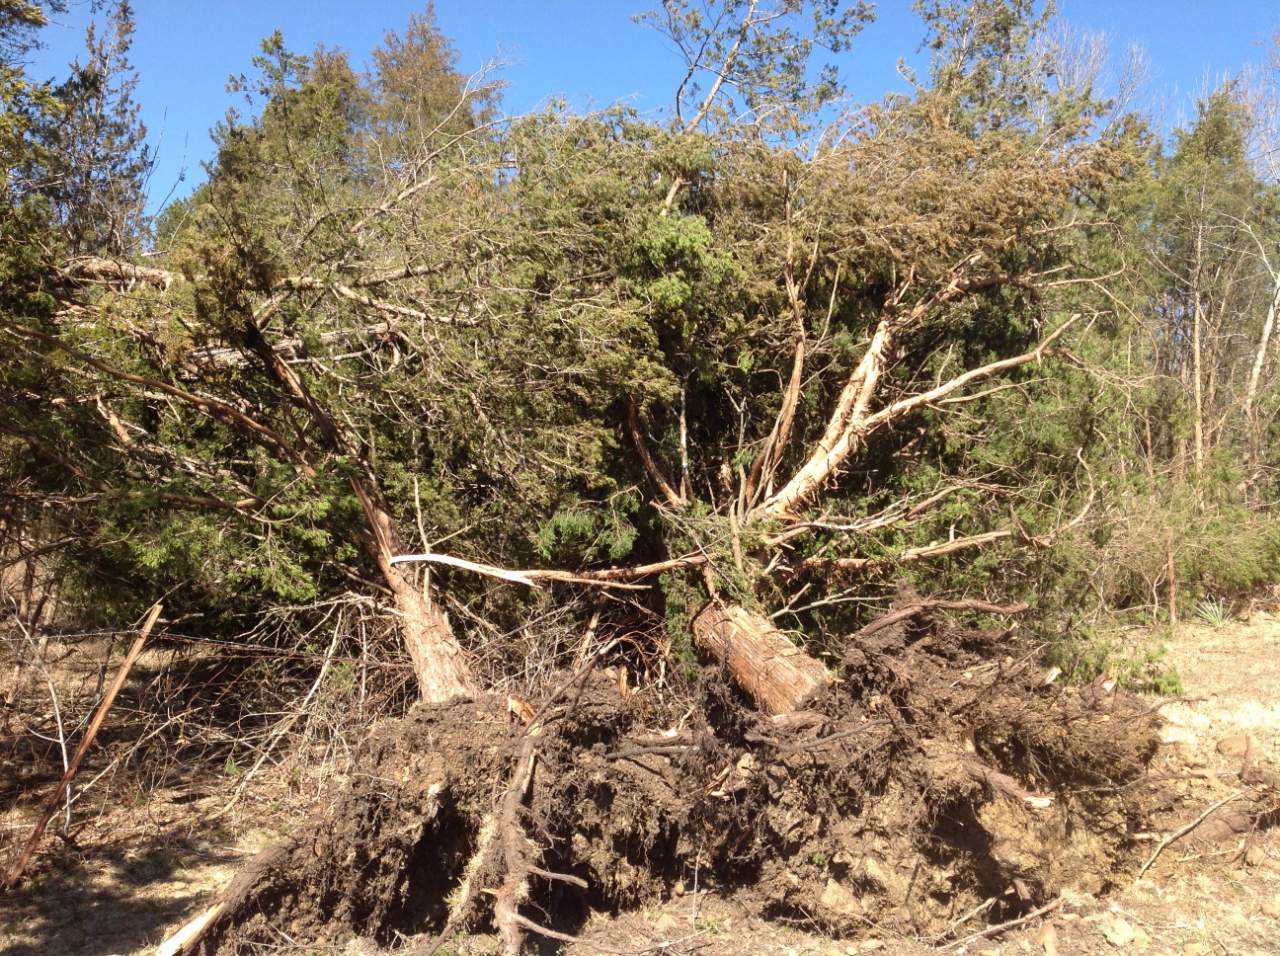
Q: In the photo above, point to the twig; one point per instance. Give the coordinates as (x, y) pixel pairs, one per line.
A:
(51, 804)
(1001, 927)
(980, 908)
(1178, 834)
(641, 751)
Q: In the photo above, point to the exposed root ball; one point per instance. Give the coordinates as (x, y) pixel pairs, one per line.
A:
(939, 774)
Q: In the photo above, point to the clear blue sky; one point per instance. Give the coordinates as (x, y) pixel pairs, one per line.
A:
(588, 50)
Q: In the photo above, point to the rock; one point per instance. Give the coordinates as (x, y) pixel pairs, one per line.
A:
(1193, 949)
(1047, 936)
(1272, 908)
(666, 924)
(1256, 856)
(840, 900)
(678, 889)
(1118, 931)
(1237, 745)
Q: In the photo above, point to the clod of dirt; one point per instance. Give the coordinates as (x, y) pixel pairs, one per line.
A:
(1237, 745)
(942, 773)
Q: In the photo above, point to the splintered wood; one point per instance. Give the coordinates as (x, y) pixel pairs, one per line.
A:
(779, 677)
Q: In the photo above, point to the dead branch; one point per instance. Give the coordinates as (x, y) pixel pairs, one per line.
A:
(903, 557)
(92, 270)
(911, 610)
(900, 408)
(850, 423)
(51, 804)
(391, 308)
(1183, 831)
(532, 578)
(1013, 923)
(655, 473)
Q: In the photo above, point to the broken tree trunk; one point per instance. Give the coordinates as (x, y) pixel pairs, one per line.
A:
(439, 662)
(780, 677)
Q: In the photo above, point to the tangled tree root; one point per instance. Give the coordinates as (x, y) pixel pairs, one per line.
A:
(940, 775)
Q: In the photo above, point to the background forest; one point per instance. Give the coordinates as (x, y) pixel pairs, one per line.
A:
(998, 339)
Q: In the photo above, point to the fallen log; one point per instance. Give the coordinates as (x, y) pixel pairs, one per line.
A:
(780, 677)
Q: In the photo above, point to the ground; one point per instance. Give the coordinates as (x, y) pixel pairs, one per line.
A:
(140, 868)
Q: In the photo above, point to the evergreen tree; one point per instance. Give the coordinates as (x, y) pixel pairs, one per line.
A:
(98, 161)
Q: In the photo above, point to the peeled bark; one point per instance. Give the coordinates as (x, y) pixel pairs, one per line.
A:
(780, 677)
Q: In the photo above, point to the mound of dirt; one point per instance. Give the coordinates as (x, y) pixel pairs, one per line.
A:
(939, 774)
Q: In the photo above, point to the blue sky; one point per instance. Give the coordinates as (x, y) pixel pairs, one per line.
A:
(588, 50)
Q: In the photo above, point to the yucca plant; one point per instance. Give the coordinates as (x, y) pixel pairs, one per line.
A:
(1214, 613)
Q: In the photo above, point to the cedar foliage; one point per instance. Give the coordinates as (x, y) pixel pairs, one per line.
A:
(589, 341)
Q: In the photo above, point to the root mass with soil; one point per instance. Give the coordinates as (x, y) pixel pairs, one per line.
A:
(937, 775)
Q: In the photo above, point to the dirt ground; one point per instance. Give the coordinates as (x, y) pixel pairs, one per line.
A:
(139, 870)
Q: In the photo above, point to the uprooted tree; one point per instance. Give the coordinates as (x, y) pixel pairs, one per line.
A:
(712, 380)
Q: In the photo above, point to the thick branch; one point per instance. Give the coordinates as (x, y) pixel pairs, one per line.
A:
(90, 270)
(637, 436)
(1260, 359)
(780, 677)
(850, 424)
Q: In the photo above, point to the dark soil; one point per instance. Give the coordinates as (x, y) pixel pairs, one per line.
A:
(939, 773)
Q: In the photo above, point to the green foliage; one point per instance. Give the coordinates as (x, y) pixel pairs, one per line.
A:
(747, 61)
(1087, 654)
(1214, 613)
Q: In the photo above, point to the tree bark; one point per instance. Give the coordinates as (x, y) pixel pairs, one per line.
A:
(439, 662)
(1197, 331)
(780, 677)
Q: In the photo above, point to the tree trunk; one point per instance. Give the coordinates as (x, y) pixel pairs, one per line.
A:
(1255, 375)
(1197, 333)
(438, 659)
(780, 677)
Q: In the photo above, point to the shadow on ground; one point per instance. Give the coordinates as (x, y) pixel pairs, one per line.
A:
(117, 900)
